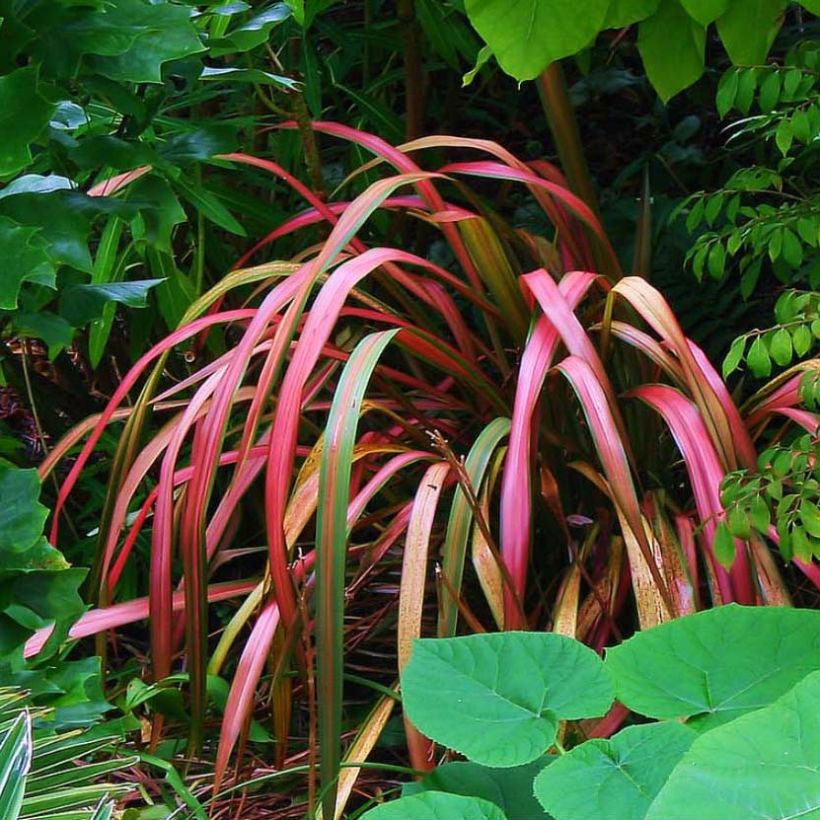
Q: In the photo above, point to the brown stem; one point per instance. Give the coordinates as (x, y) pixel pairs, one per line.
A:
(563, 124)
(413, 69)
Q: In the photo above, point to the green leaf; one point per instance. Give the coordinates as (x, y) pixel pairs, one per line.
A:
(80, 304)
(763, 764)
(164, 31)
(24, 259)
(748, 29)
(52, 329)
(746, 89)
(625, 12)
(500, 696)
(727, 91)
(436, 806)
(784, 136)
(810, 517)
(734, 356)
(509, 789)
(801, 339)
(716, 260)
(615, 779)
(769, 91)
(23, 116)
(739, 526)
(792, 249)
(15, 759)
(21, 515)
(672, 63)
(716, 665)
(528, 35)
(758, 358)
(209, 206)
(760, 515)
(724, 545)
(250, 34)
(780, 347)
(705, 11)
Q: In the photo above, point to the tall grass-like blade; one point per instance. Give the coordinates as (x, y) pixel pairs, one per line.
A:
(516, 484)
(361, 747)
(425, 186)
(705, 474)
(652, 307)
(15, 760)
(100, 620)
(411, 591)
(243, 690)
(610, 448)
(331, 546)
(461, 520)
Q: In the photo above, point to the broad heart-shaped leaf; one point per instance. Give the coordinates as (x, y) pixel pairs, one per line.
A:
(716, 665)
(614, 779)
(509, 789)
(499, 697)
(80, 304)
(22, 516)
(705, 11)
(23, 115)
(812, 5)
(527, 35)
(164, 32)
(672, 46)
(765, 764)
(625, 12)
(436, 806)
(748, 29)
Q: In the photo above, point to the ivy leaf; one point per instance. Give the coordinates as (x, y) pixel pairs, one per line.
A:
(500, 696)
(24, 259)
(528, 35)
(672, 63)
(614, 779)
(748, 29)
(763, 764)
(164, 32)
(23, 116)
(749, 655)
(21, 515)
(251, 33)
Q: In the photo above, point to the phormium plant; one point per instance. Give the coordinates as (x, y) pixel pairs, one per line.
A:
(503, 403)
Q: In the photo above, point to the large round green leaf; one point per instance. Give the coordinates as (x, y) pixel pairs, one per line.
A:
(527, 35)
(763, 765)
(672, 48)
(509, 789)
(625, 12)
(748, 29)
(705, 11)
(718, 664)
(614, 779)
(498, 698)
(436, 806)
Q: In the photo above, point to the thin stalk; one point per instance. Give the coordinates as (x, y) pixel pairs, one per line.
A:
(552, 89)
(413, 69)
